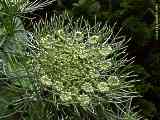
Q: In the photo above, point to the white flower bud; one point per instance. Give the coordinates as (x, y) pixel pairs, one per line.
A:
(84, 100)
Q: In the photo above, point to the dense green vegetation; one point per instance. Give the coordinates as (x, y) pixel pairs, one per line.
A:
(56, 64)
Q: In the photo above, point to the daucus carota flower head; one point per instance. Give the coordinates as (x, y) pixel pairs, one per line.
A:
(79, 64)
(72, 65)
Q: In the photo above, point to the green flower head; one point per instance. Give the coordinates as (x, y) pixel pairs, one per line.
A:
(78, 66)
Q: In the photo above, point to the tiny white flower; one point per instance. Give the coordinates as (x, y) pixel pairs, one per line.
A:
(94, 39)
(94, 74)
(79, 34)
(87, 87)
(106, 65)
(45, 41)
(106, 50)
(84, 100)
(48, 36)
(113, 81)
(45, 80)
(66, 96)
(58, 85)
(83, 55)
(103, 87)
(60, 32)
(74, 90)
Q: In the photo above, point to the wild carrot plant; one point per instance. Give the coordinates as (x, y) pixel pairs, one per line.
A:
(65, 69)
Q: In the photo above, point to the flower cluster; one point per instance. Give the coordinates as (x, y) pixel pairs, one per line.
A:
(72, 66)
